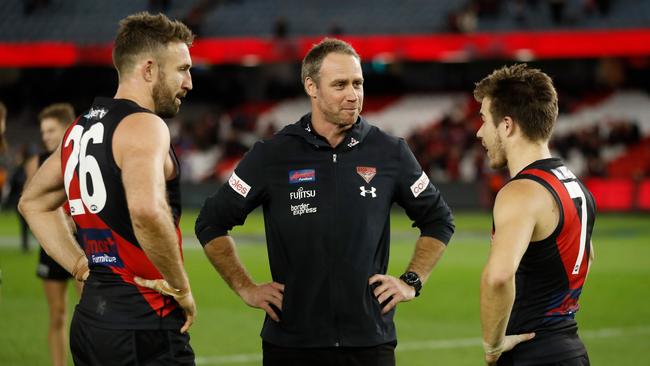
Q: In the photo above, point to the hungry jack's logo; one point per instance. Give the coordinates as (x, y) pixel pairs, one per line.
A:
(302, 176)
(100, 247)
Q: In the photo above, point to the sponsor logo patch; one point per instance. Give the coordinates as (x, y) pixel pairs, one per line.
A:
(302, 193)
(96, 113)
(367, 172)
(302, 209)
(420, 185)
(239, 185)
(353, 142)
(302, 176)
(372, 191)
(100, 247)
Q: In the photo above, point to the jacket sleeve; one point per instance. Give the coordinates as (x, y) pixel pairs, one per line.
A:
(235, 199)
(421, 200)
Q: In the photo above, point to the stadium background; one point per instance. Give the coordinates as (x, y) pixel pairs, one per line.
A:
(421, 59)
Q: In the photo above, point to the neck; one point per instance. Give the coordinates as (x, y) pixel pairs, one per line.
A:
(136, 93)
(333, 133)
(525, 154)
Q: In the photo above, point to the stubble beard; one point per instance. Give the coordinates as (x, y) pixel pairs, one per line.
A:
(163, 99)
(498, 160)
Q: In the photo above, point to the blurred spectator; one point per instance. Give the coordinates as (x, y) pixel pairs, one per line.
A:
(610, 73)
(159, 6)
(624, 132)
(440, 147)
(465, 20)
(195, 17)
(557, 8)
(281, 73)
(16, 184)
(487, 8)
(585, 149)
(3, 149)
(31, 6)
(601, 6)
(335, 30)
(519, 11)
(3, 126)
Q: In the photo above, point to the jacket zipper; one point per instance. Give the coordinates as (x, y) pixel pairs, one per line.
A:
(337, 342)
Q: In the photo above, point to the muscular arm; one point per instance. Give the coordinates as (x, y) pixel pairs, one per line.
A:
(40, 204)
(516, 210)
(141, 147)
(31, 167)
(222, 254)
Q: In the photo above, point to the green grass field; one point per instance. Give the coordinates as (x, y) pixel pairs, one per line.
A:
(441, 327)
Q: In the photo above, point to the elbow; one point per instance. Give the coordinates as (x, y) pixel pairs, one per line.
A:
(498, 278)
(23, 206)
(142, 214)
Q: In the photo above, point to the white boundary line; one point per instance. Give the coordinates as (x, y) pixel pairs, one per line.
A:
(432, 344)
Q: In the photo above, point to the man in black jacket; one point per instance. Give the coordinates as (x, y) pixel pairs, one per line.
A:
(327, 184)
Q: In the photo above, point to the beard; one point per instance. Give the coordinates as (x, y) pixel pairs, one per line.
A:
(163, 99)
(497, 157)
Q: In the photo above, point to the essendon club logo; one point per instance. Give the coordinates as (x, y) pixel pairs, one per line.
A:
(367, 172)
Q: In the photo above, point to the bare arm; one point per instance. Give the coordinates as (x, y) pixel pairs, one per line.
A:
(514, 225)
(40, 205)
(222, 254)
(31, 167)
(141, 148)
(427, 253)
(592, 255)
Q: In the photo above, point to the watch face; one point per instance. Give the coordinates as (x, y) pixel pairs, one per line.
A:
(411, 277)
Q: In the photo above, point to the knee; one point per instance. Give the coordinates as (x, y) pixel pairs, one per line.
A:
(57, 316)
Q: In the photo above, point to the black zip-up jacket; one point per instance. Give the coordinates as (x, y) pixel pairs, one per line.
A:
(327, 221)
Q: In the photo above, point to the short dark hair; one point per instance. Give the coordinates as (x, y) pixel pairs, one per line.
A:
(142, 32)
(526, 95)
(62, 112)
(314, 59)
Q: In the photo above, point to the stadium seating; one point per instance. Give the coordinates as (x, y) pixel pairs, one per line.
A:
(89, 22)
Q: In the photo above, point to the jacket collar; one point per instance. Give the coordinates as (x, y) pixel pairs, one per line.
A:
(304, 129)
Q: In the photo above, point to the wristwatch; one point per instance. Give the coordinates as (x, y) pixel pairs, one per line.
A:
(412, 279)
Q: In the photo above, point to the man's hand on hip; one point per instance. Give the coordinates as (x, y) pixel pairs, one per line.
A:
(263, 296)
(183, 297)
(492, 353)
(391, 288)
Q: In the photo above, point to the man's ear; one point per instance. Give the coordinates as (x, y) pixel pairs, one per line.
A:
(310, 87)
(509, 125)
(149, 70)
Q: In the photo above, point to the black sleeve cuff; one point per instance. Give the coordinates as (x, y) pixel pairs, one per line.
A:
(210, 233)
(438, 230)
